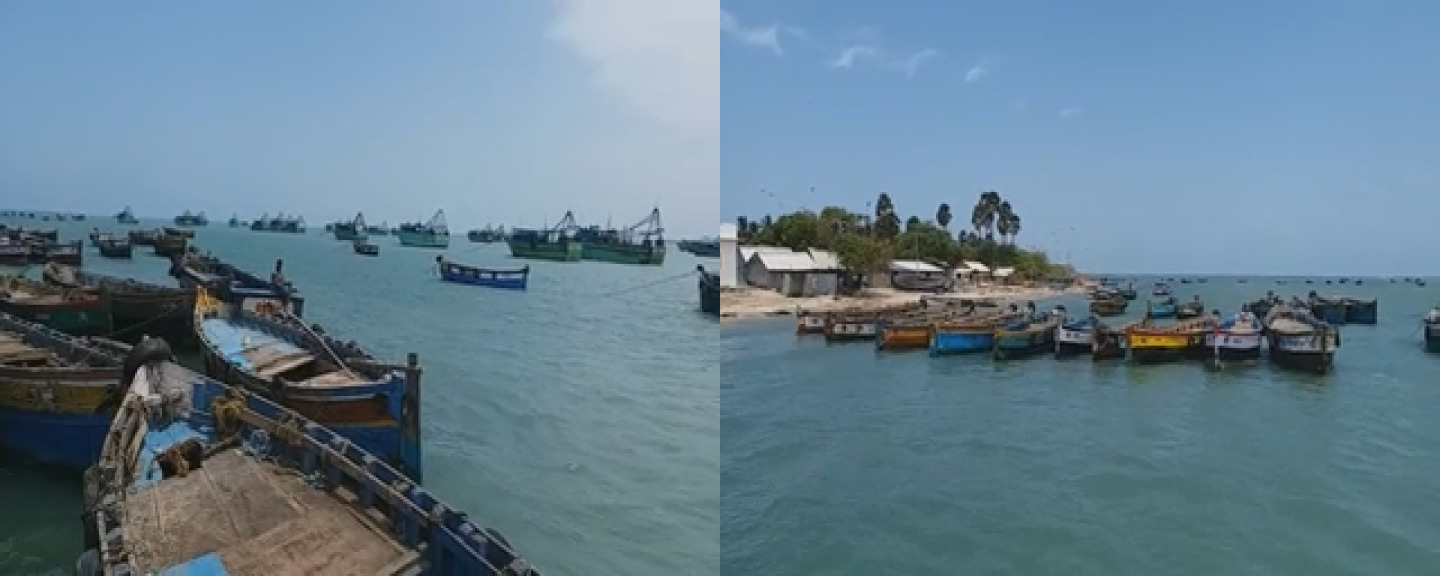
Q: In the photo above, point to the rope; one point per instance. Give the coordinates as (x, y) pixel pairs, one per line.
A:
(682, 276)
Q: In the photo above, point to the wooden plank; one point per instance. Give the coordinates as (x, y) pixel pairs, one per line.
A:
(284, 364)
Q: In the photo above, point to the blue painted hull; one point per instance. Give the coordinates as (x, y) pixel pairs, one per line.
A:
(1362, 313)
(61, 439)
(507, 283)
(947, 343)
(1162, 312)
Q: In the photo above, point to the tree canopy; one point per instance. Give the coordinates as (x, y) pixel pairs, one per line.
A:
(865, 243)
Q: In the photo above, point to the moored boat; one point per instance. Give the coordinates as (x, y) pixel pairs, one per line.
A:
(1027, 337)
(187, 219)
(641, 243)
(1166, 308)
(486, 235)
(1152, 343)
(52, 393)
(1300, 341)
(351, 230)
(1361, 310)
(126, 217)
(72, 253)
(709, 291)
(1237, 338)
(168, 245)
(558, 243)
(336, 384)
(904, 333)
(1109, 343)
(116, 248)
(144, 237)
(232, 284)
(1328, 310)
(968, 335)
(1105, 307)
(1431, 327)
(1161, 289)
(1192, 309)
(292, 496)
(73, 312)
(434, 233)
(462, 274)
(135, 306)
(851, 327)
(809, 322)
(1076, 336)
(366, 249)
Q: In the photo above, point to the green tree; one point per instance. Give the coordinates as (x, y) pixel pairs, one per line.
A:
(983, 215)
(742, 227)
(942, 216)
(912, 223)
(887, 224)
(862, 254)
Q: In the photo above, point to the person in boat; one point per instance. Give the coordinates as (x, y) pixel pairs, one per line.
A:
(282, 286)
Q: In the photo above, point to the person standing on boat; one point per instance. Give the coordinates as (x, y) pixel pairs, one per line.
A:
(282, 287)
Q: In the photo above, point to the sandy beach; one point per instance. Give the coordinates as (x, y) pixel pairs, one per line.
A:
(743, 303)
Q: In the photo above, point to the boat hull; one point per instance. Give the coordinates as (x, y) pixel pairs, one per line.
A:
(1073, 342)
(1367, 312)
(1234, 346)
(1157, 347)
(710, 294)
(851, 330)
(624, 253)
(903, 337)
(1432, 337)
(809, 323)
(1024, 343)
(54, 422)
(1332, 313)
(947, 342)
(1304, 352)
(504, 279)
(372, 415)
(85, 318)
(559, 252)
(424, 240)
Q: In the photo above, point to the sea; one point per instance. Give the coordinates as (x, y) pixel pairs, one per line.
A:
(580, 417)
(841, 460)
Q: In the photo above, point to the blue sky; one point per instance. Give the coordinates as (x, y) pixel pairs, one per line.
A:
(1248, 137)
(501, 111)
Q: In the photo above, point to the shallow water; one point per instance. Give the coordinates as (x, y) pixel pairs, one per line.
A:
(837, 459)
(580, 417)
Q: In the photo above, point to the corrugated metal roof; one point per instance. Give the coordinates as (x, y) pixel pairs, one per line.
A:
(913, 266)
(825, 259)
(747, 251)
(788, 261)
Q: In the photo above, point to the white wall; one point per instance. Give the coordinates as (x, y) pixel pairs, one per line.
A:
(730, 264)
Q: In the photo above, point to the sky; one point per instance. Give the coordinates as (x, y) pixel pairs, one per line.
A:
(500, 112)
(1275, 137)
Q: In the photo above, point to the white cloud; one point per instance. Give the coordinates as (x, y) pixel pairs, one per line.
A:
(766, 37)
(976, 73)
(1069, 112)
(848, 58)
(658, 57)
(912, 64)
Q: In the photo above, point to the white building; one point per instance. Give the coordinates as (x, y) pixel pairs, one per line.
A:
(730, 261)
(790, 272)
(917, 275)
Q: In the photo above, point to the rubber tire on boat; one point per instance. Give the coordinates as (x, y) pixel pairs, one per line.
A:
(148, 351)
(88, 564)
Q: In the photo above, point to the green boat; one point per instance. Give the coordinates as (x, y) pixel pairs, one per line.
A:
(642, 243)
(73, 312)
(432, 234)
(558, 243)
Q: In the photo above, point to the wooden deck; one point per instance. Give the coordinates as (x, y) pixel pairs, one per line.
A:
(15, 352)
(259, 520)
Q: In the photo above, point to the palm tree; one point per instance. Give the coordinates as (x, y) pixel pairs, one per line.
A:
(1003, 219)
(942, 216)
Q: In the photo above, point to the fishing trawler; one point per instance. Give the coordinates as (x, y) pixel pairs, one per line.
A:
(434, 233)
(557, 243)
(351, 230)
(640, 243)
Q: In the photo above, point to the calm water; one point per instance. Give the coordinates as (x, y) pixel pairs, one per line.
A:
(839, 460)
(580, 417)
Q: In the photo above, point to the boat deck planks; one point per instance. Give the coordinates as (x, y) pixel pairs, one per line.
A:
(259, 520)
(16, 351)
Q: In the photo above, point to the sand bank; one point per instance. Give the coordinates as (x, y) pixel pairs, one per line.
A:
(743, 303)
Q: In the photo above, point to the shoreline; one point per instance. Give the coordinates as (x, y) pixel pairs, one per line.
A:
(740, 304)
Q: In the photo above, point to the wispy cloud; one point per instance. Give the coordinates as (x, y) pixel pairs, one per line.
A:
(798, 32)
(976, 73)
(852, 54)
(1069, 112)
(761, 37)
(912, 64)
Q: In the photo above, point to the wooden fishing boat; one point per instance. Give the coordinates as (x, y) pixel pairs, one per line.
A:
(1361, 311)
(1128, 291)
(434, 233)
(1326, 309)
(366, 249)
(1023, 338)
(1431, 327)
(1074, 337)
(1300, 341)
(640, 243)
(72, 253)
(337, 384)
(1152, 343)
(144, 237)
(1192, 309)
(808, 322)
(169, 245)
(197, 477)
(1109, 343)
(232, 284)
(1161, 289)
(181, 232)
(905, 333)
(709, 291)
(462, 274)
(119, 248)
(851, 327)
(1237, 338)
(52, 387)
(558, 243)
(352, 230)
(1109, 307)
(968, 335)
(136, 308)
(13, 253)
(1166, 308)
(73, 312)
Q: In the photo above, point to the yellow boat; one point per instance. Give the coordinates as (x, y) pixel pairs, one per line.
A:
(1149, 342)
(905, 334)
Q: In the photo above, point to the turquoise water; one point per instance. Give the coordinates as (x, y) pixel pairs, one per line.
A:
(580, 417)
(839, 460)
